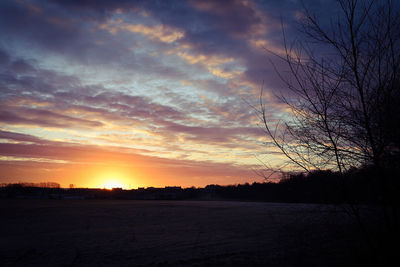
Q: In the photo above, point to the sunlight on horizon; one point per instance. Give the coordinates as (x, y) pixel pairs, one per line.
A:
(170, 111)
(114, 178)
(114, 184)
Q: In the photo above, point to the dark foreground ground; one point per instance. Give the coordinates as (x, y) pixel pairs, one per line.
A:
(176, 233)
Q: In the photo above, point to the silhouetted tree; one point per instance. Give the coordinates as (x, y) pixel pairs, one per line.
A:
(344, 97)
(343, 101)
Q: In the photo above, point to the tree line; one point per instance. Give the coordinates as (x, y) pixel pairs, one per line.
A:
(314, 187)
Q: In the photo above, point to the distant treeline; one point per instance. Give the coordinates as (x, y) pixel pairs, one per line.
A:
(41, 184)
(355, 186)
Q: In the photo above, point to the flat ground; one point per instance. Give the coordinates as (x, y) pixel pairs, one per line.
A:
(175, 233)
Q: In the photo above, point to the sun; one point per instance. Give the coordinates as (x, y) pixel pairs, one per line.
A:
(114, 184)
(110, 178)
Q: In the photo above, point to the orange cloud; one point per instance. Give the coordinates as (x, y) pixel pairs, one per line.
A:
(93, 166)
(162, 33)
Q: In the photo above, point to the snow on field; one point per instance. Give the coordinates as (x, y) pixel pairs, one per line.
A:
(174, 233)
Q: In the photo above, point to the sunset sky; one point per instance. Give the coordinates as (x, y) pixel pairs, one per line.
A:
(139, 93)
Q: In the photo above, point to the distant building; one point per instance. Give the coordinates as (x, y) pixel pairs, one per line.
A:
(173, 187)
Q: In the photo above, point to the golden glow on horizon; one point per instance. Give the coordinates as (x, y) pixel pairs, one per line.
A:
(113, 184)
(113, 178)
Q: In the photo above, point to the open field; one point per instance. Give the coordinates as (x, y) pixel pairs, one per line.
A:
(174, 233)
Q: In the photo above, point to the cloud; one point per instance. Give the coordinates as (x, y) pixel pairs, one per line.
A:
(46, 118)
(160, 32)
(168, 78)
(61, 101)
(13, 136)
(237, 18)
(73, 159)
(4, 58)
(213, 134)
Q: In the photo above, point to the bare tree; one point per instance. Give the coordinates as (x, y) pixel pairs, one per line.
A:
(344, 101)
(344, 96)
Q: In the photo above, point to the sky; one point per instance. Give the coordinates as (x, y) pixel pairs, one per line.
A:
(140, 93)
